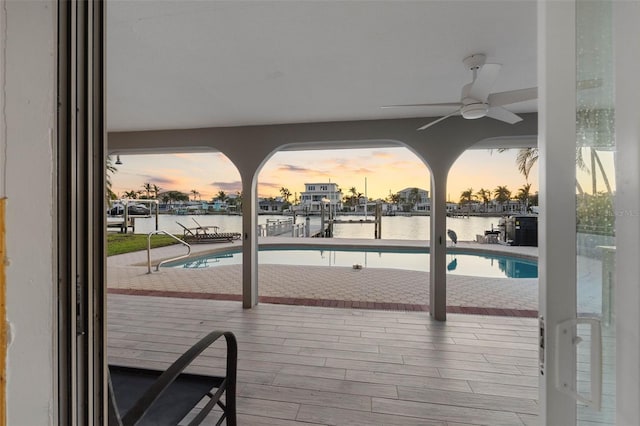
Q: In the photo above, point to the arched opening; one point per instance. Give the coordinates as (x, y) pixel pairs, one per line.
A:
(492, 205)
(343, 263)
(194, 197)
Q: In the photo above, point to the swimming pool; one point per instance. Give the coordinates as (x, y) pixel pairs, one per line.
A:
(458, 262)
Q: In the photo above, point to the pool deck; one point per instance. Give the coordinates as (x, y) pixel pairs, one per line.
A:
(369, 288)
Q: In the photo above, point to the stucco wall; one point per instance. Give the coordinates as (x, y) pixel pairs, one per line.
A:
(28, 33)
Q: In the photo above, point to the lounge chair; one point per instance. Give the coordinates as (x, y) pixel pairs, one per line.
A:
(202, 235)
(140, 396)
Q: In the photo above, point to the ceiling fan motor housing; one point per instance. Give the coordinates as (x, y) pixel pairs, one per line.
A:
(474, 110)
(474, 62)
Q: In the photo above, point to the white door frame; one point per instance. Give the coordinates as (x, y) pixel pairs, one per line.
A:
(557, 224)
(557, 237)
(626, 33)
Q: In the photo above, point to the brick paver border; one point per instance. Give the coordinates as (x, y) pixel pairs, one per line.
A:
(471, 310)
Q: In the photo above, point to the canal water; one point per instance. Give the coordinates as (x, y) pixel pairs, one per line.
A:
(393, 227)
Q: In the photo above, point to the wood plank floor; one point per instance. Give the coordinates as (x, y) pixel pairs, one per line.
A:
(327, 366)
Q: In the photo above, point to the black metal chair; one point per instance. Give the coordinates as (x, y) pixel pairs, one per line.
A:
(139, 396)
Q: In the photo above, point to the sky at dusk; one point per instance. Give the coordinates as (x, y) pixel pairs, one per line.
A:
(386, 170)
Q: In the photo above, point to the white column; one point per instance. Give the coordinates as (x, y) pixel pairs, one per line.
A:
(249, 238)
(438, 245)
(557, 223)
(27, 139)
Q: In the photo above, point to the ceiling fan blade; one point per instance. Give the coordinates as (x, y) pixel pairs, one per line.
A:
(499, 113)
(512, 96)
(484, 81)
(446, 104)
(438, 120)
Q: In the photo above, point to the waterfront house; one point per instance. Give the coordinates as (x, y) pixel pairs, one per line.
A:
(316, 194)
(216, 206)
(415, 199)
(270, 205)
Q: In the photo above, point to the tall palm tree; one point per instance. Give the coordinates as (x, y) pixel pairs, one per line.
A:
(148, 188)
(133, 194)
(527, 157)
(285, 193)
(502, 194)
(466, 197)
(111, 169)
(156, 190)
(485, 196)
(354, 198)
(524, 194)
(195, 193)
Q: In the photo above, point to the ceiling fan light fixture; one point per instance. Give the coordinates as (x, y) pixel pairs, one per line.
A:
(473, 111)
(477, 99)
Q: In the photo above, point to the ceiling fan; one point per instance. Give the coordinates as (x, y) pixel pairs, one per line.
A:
(476, 100)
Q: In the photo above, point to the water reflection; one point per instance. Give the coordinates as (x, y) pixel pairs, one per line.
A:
(481, 265)
(452, 265)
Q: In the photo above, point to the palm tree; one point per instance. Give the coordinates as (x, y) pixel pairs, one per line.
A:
(466, 197)
(525, 160)
(414, 197)
(527, 157)
(502, 195)
(485, 196)
(524, 193)
(195, 193)
(394, 198)
(239, 200)
(177, 196)
(133, 194)
(111, 169)
(354, 198)
(285, 194)
(221, 196)
(148, 188)
(156, 189)
(595, 159)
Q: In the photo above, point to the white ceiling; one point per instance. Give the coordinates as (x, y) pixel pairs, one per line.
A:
(190, 64)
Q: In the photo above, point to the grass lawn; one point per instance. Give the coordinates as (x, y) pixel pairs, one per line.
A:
(126, 243)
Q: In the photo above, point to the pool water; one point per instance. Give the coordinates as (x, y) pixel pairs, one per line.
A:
(458, 263)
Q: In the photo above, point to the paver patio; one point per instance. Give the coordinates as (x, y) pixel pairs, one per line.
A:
(328, 286)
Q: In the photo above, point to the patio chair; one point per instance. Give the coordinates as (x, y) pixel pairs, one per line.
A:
(187, 232)
(141, 396)
(202, 235)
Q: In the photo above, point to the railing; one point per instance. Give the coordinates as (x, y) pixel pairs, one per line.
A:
(167, 260)
(275, 227)
(299, 230)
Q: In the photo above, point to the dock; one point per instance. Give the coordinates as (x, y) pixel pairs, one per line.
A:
(119, 222)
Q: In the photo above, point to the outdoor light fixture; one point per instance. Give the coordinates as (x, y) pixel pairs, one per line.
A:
(118, 161)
